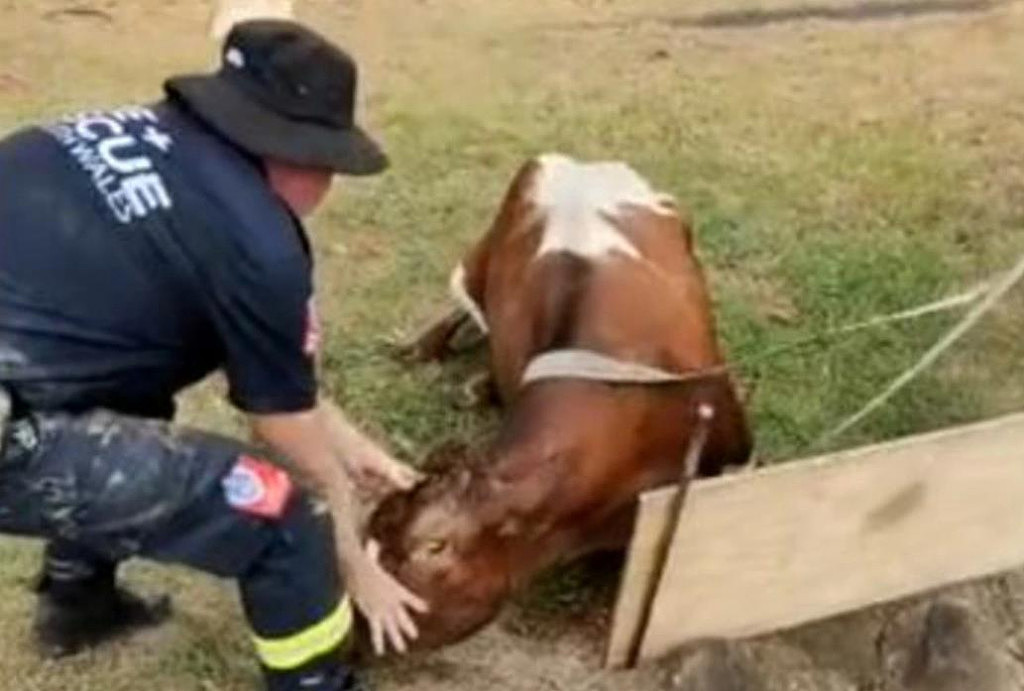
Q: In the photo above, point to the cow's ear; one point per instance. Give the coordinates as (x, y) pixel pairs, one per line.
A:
(449, 454)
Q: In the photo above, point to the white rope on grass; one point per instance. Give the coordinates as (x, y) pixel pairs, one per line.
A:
(946, 304)
(574, 363)
(943, 305)
(999, 289)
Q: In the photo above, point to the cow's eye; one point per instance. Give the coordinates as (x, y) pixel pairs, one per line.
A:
(435, 547)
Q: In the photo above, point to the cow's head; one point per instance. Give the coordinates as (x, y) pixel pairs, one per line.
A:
(435, 540)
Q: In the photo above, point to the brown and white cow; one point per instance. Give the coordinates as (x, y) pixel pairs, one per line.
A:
(593, 301)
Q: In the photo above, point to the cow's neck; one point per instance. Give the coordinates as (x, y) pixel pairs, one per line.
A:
(550, 468)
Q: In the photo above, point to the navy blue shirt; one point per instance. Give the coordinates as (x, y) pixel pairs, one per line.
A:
(139, 252)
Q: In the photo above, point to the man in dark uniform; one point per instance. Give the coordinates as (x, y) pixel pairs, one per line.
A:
(141, 249)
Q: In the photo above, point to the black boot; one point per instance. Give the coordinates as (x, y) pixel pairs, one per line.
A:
(330, 672)
(74, 616)
(339, 680)
(353, 682)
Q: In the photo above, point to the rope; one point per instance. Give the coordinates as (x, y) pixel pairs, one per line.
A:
(581, 364)
(991, 298)
(946, 304)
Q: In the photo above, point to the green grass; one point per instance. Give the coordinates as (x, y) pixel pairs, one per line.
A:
(854, 222)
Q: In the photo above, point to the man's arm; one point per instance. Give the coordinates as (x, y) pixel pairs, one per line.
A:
(306, 438)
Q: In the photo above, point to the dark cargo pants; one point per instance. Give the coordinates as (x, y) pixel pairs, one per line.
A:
(103, 488)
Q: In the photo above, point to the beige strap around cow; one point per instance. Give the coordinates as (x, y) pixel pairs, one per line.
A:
(577, 363)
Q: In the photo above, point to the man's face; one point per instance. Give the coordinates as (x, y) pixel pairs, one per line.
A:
(302, 188)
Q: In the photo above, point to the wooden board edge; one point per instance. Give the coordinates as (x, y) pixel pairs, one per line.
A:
(637, 571)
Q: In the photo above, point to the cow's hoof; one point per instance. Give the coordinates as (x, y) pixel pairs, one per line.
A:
(406, 350)
(467, 338)
(440, 338)
(716, 666)
(950, 654)
(477, 392)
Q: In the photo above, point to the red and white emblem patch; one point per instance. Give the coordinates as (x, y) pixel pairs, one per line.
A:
(311, 341)
(257, 488)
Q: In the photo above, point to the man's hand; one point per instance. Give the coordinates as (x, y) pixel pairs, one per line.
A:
(371, 468)
(378, 474)
(386, 604)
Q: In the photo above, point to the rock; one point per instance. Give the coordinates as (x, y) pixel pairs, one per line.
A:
(951, 655)
(717, 666)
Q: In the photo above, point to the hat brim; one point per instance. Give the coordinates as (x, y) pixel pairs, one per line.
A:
(260, 131)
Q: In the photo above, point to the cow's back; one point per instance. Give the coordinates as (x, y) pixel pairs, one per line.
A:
(590, 256)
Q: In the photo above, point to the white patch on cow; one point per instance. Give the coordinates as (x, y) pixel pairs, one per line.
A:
(580, 201)
(461, 295)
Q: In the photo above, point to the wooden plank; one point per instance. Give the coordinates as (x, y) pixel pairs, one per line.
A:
(811, 539)
(638, 572)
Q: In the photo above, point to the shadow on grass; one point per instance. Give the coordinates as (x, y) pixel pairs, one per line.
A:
(869, 10)
(857, 12)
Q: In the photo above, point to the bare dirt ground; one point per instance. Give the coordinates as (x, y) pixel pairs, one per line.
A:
(799, 114)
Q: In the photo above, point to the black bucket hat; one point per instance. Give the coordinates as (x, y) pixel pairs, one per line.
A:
(284, 92)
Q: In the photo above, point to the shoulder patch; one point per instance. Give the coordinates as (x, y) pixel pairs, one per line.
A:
(314, 331)
(257, 488)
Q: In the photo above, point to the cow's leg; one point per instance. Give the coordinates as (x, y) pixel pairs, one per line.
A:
(433, 342)
(466, 287)
(480, 390)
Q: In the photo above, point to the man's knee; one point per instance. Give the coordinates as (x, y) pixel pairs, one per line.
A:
(303, 549)
(122, 479)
